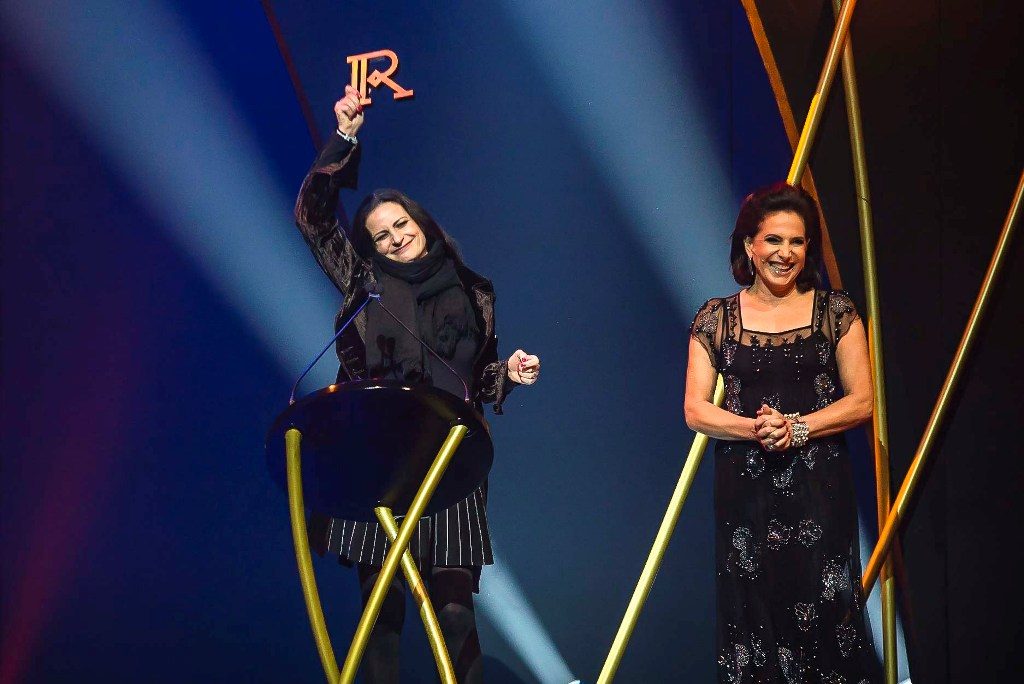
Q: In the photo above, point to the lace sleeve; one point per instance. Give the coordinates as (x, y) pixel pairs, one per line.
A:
(841, 314)
(707, 328)
(336, 167)
(494, 385)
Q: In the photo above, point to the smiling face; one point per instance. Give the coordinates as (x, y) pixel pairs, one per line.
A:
(395, 234)
(779, 249)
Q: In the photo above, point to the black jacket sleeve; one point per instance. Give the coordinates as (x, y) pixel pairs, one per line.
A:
(491, 381)
(336, 167)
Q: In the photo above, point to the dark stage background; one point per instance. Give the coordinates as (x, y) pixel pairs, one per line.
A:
(942, 123)
(589, 157)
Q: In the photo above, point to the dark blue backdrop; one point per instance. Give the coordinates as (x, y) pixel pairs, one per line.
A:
(142, 537)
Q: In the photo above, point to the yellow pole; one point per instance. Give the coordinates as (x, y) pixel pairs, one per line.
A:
(394, 556)
(650, 571)
(945, 396)
(817, 107)
(789, 123)
(419, 592)
(292, 440)
(880, 419)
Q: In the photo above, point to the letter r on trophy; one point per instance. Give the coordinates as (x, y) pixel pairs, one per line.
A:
(361, 80)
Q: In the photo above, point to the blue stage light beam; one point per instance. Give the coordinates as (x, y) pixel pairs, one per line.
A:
(868, 538)
(141, 89)
(504, 605)
(137, 83)
(622, 79)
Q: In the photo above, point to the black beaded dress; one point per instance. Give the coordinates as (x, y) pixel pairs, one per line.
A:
(786, 537)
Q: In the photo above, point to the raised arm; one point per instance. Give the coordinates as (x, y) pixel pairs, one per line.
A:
(336, 167)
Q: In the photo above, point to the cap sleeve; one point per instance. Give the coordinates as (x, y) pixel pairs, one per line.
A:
(707, 326)
(841, 314)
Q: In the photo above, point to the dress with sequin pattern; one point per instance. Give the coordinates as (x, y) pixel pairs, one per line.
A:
(786, 543)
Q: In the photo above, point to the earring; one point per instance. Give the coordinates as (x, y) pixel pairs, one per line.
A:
(750, 265)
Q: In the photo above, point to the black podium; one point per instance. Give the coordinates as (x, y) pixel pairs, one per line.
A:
(368, 451)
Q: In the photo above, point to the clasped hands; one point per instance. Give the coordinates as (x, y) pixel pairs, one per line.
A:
(772, 429)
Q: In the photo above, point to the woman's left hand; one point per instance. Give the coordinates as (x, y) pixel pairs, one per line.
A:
(523, 368)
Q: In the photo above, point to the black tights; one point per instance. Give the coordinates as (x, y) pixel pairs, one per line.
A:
(451, 593)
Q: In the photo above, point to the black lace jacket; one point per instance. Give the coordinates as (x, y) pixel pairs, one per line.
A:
(337, 167)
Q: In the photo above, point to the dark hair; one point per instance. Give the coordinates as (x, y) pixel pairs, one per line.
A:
(756, 208)
(362, 241)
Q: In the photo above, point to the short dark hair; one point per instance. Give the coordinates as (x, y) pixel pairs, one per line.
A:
(362, 241)
(758, 206)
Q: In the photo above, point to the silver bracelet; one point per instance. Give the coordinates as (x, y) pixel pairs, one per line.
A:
(345, 136)
(800, 433)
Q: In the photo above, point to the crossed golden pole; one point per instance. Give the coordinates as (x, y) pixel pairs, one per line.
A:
(419, 592)
(931, 430)
(817, 107)
(880, 414)
(700, 441)
(394, 556)
(397, 555)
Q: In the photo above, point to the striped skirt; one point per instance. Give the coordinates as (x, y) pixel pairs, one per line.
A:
(457, 536)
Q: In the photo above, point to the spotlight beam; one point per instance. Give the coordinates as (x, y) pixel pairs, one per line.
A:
(157, 110)
(617, 77)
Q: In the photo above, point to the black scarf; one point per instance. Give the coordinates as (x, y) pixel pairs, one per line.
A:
(427, 295)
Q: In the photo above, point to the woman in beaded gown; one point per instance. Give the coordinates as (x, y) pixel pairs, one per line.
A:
(795, 364)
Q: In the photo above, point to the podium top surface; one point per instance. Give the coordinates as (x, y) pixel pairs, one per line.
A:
(370, 443)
